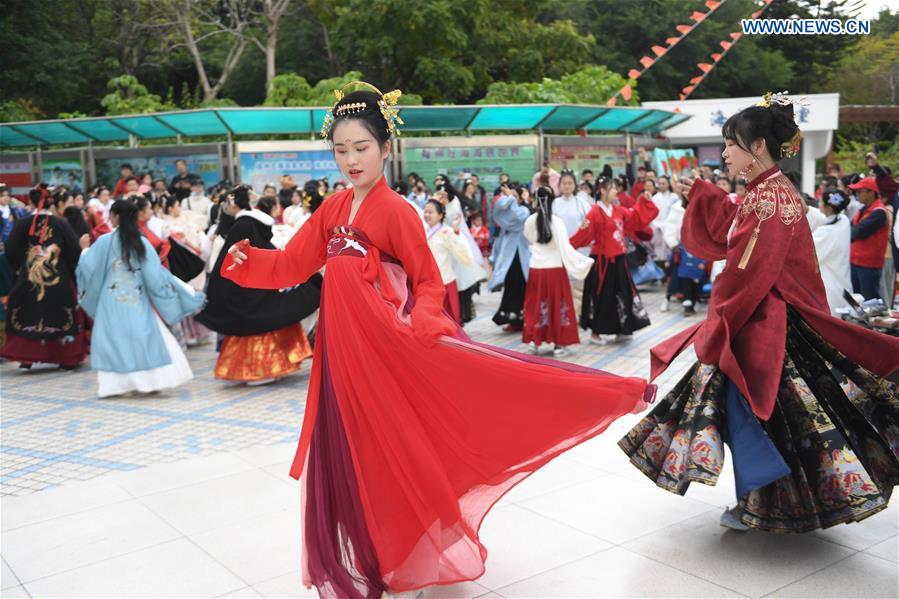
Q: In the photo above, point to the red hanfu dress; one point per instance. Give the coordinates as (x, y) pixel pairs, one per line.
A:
(401, 463)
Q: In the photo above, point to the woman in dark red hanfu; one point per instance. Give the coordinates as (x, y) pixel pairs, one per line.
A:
(401, 463)
(798, 395)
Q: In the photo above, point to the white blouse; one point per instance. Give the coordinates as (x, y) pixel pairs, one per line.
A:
(558, 252)
(445, 244)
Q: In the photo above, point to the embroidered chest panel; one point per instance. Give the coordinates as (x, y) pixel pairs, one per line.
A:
(773, 197)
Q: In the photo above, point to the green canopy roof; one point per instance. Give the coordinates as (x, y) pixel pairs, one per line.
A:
(264, 121)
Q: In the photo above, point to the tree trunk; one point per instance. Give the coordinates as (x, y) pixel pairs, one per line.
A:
(271, 47)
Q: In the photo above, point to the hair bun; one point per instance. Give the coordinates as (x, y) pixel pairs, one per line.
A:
(784, 125)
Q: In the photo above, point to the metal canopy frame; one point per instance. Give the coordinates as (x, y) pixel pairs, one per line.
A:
(547, 117)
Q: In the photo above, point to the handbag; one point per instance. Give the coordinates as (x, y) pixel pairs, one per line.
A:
(636, 253)
(183, 263)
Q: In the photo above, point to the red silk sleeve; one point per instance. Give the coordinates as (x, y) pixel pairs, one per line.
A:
(640, 215)
(586, 232)
(707, 220)
(410, 246)
(278, 269)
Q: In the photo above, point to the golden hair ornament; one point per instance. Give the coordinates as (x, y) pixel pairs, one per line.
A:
(386, 104)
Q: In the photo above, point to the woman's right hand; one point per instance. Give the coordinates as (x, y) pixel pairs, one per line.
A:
(237, 254)
(84, 241)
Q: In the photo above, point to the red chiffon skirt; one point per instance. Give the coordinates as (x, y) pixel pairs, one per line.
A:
(451, 302)
(68, 352)
(405, 448)
(549, 315)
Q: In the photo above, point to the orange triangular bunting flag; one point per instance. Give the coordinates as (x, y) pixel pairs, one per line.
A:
(735, 36)
(688, 89)
(697, 16)
(712, 4)
(682, 96)
(685, 29)
(646, 61)
(672, 40)
(725, 45)
(633, 74)
(704, 67)
(756, 14)
(659, 50)
(716, 57)
(626, 93)
(612, 101)
(696, 79)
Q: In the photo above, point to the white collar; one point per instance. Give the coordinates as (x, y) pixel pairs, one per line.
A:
(607, 209)
(259, 215)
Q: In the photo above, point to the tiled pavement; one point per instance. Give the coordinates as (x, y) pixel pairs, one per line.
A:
(194, 501)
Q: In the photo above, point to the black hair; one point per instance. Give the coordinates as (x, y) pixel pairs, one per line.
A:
(140, 202)
(266, 204)
(401, 188)
(129, 233)
(441, 209)
(171, 201)
(622, 182)
(446, 186)
(545, 197)
(602, 184)
(370, 116)
(835, 198)
(829, 181)
(585, 171)
(131, 178)
(241, 195)
(59, 196)
(414, 176)
(311, 189)
(181, 160)
(590, 187)
(75, 217)
(128, 166)
(570, 175)
(666, 177)
(607, 171)
(773, 123)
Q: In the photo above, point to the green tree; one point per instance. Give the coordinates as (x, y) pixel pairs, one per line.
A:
(128, 96)
(593, 85)
(290, 89)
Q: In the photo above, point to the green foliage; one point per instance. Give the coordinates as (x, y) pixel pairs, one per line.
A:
(290, 89)
(128, 96)
(851, 153)
(593, 85)
(12, 111)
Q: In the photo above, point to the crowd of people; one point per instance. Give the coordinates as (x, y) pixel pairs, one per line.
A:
(75, 260)
(400, 462)
(565, 250)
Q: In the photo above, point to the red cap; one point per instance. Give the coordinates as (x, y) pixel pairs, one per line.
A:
(866, 183)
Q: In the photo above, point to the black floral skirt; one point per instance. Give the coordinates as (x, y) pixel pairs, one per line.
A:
(835, 424)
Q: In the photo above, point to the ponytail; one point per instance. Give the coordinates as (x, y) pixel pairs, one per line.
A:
(129, 233)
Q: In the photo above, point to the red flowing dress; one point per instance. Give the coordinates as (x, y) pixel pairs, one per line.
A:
(401, 462)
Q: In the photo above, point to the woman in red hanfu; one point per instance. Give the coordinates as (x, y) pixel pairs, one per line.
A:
(401, 463)
(798, 395)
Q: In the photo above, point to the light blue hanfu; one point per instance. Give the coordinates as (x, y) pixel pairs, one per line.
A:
(128, 338)
(510, 216)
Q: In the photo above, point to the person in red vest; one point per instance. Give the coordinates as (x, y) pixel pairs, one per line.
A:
(870, 234)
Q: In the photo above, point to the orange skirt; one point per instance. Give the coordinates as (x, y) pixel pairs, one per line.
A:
(257, 357)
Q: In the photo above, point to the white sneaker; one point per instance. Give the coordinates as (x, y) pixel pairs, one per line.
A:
(596, 340)
(623, 338)
(261, 382)
(731, 519)
(665, 305)
(559, 352)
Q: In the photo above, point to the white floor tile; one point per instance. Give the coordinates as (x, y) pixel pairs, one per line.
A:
(720, 495)
(175, 569)
(615, 573)
(67, 542)
(165, 477)
(465, 590)
(857, 576)
(288, 585)
(888, 549)
(15, 592)
(244, 592)
(9, 578)
(257, 549)
(864, 534)
(615, 508)
(752, 563)
(71, 498)
(521, 543)
(280, 454)
(222, 501)
(552, 477)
